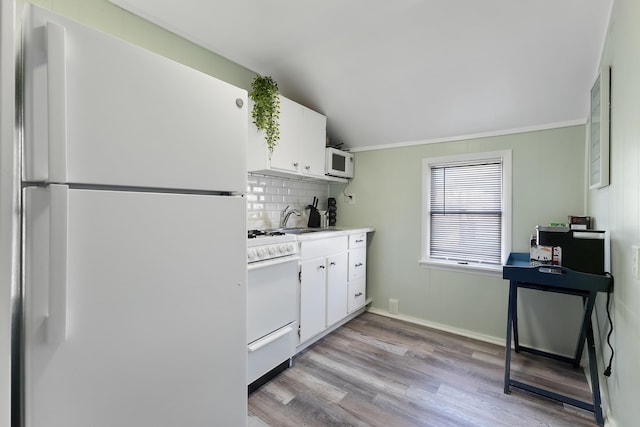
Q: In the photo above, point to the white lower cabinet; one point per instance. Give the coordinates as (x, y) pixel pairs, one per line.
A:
(332, 281)
(357, 271)
(323, 284)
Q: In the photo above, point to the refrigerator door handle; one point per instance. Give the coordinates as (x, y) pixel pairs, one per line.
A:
(57, 102)
(58, 264)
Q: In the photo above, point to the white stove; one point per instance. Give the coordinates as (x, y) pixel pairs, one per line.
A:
(271, 304)
(263, 246)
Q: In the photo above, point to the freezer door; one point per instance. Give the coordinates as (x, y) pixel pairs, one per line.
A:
(102, 111)
(144, 321)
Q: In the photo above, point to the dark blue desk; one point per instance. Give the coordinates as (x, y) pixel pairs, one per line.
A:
(550, 278)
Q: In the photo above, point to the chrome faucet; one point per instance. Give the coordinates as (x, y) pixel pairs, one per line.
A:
(284, 216)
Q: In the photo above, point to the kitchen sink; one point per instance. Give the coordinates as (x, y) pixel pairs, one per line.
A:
(299, 230)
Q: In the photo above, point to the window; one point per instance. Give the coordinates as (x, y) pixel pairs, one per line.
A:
(466, 214)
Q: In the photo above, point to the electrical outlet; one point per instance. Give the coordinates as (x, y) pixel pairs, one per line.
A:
(351, 199)
(635, 262)
(393, 305)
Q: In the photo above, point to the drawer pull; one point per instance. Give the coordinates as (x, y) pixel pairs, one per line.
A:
(257, 345)
(359, 241)
(359, 294)
(359, 264)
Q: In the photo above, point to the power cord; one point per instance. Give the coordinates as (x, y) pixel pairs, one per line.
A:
(344, 192)
(607, 371)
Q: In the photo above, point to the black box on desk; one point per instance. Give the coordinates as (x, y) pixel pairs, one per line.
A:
(582, 250)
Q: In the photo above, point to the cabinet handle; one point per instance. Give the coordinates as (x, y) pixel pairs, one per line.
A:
(296, 164)
(332, 263)
(307, 167)
(359, 294)
(359, 241)
(321, 266)
(359, 264)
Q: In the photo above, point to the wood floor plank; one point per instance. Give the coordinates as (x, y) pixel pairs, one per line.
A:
(378, 371)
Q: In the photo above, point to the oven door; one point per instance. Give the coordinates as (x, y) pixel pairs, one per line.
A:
(271, 317)
(271, 296)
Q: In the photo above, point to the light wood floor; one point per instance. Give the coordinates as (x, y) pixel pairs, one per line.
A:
(377, 371)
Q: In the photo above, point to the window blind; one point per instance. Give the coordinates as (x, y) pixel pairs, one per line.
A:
(466, 212)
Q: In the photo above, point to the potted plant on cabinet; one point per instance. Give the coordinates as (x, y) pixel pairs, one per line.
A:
(266, 109)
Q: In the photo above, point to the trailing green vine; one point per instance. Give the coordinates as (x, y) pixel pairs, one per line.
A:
(266, 109)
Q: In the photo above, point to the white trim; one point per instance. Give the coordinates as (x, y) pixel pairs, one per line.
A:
(465, 137)
(484, 269)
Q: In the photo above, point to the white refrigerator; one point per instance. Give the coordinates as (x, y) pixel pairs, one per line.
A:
(134, 236)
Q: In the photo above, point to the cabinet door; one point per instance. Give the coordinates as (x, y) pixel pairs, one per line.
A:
(314, 134)
(313, 298)
(286, 155)
(336, 288)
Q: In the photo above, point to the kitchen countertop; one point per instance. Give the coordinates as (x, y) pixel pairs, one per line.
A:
(332, 232)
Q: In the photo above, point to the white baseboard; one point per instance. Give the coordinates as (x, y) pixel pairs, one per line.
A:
(441, 327)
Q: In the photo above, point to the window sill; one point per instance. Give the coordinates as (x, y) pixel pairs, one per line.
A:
(488, 270)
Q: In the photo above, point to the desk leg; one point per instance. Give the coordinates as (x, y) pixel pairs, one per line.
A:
(593, 368)
(514, 317)
(586, 324)
(507, 350)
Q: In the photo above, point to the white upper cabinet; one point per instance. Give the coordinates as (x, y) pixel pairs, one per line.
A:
(314, 129)
(300, 150)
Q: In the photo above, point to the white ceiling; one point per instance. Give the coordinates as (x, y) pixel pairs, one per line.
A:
(388, 72)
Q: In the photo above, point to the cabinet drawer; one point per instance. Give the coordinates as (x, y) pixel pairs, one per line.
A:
(357, 294)
(358, 240)
(323, 247)
(357, 263)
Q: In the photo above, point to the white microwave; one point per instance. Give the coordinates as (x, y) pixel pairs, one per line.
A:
(338, 163)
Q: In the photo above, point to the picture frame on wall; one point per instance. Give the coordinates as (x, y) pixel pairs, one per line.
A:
(599, 130)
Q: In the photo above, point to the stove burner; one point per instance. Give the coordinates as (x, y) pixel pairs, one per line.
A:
(252, 234)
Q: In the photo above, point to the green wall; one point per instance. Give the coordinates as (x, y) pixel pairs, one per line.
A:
(111, 19)
(548, 185)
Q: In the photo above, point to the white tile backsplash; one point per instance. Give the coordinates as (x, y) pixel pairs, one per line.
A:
(267, 196)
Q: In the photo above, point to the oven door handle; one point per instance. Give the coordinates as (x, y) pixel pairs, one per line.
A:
(257, 345)
(272, 262)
